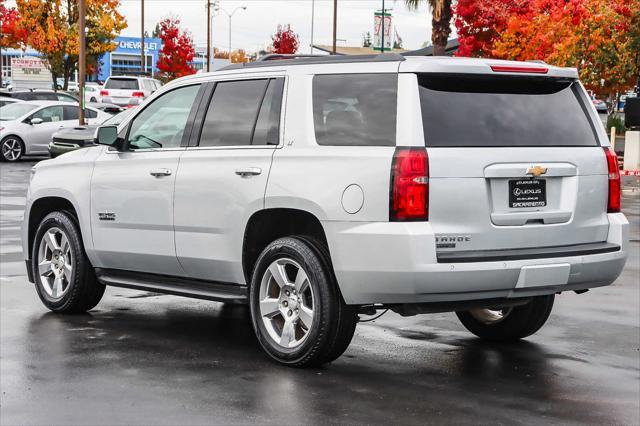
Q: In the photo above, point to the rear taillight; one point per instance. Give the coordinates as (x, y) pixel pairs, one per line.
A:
(104, 93)
(613, 203)
(138, 94)
(409, 192)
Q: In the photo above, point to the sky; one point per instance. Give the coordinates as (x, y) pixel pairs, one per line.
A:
(252, 28)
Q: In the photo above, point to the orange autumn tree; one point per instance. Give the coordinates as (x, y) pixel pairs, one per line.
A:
(11, 35)
(598, 37)
(52, 29)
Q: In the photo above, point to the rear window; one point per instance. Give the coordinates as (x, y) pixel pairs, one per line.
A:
(355, 109)
(481, 110)
(122, 84)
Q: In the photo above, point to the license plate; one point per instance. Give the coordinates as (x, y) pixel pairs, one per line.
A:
(527, 193)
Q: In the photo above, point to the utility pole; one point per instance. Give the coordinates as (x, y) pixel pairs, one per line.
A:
(382, 30)
(335, 24)
(142, 61)
(81, 58)
(208, 35)
(313, 8)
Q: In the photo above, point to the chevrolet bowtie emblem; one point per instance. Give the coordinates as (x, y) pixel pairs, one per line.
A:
(536, 171)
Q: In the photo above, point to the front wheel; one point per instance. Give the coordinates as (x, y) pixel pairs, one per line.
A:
(64, 278)
(298, 314)
(509, 323)
(11, 149)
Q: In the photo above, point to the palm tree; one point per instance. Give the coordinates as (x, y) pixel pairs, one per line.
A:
(441, 11)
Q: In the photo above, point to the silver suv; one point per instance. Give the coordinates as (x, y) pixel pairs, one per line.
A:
(128, 91)
(320, 189)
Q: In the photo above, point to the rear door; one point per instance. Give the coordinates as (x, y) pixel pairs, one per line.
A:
(222, 177)
(514, 162)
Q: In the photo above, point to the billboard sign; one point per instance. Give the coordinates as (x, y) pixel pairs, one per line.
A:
(30, 73)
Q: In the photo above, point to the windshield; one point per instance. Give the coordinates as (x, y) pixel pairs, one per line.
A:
(117, 119)
(15, 111)
(122, 84)
(481, 111)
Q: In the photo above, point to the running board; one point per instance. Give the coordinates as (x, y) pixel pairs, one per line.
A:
(177, 286)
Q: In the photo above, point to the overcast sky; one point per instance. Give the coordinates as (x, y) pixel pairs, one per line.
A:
(252, 28)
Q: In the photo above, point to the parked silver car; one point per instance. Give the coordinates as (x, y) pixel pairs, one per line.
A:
(128, 91)
(26, 127)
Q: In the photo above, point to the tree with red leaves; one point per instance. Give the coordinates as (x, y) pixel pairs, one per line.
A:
(177, 51)
(285, 41)
(12, 35)
(480, 22)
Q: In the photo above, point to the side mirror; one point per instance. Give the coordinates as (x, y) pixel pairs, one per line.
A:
(35, 121)
(108, 135)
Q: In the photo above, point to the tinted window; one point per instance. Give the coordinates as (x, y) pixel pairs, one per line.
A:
(232, 113)
(44, 96)
(50, 114)
(89, 113)
(122, 83)
(71, 113)
(62, 97)
(162, 124)
(355, 109)
(267, 130)
(503, 111)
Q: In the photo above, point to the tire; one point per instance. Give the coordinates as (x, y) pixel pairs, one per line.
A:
(508, 324)
(332, 323)
(11, 149)
(69, 285)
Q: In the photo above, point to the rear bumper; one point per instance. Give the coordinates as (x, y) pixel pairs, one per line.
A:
(386, 262)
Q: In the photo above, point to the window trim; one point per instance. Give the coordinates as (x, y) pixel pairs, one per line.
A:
(194, 142)
(188, 126)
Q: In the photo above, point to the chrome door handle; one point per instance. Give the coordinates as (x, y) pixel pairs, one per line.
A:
(248, 171)
(160, 172)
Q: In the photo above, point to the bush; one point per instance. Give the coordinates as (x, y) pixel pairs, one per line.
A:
(617, 122)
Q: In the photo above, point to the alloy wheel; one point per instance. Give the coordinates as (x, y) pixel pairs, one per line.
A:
(11, 149)
(490, 316)
(286, 303)
(55, 263)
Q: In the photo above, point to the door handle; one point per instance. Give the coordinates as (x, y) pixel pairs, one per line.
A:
(248, 171)
(160, 172)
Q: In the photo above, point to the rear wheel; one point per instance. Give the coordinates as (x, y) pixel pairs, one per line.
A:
(509, 323)
(297, 312)
(64, 278)
(11, 148)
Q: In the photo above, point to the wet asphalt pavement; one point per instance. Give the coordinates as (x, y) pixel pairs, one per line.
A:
(140, 358)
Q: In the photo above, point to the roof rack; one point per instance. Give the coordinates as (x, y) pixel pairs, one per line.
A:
(282, 59)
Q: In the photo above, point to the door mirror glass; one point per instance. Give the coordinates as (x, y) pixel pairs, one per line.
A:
(35, 121)
(107, 135)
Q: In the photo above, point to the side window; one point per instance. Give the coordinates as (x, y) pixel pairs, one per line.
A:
(71, 113)
(232, 113)
(355, 109)
(89, 113)
(267, 130)
(49, 114)
(162, 124)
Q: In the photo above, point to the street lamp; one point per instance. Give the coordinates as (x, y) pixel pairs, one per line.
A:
(230, 15)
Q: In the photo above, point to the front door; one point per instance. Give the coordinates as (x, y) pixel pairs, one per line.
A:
(221, 181)
(132, 191)
(40, 134)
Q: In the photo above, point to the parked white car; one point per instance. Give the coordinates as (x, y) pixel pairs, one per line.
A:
(319, 189)
(26, 127)
(92, 93)
(128, 91)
